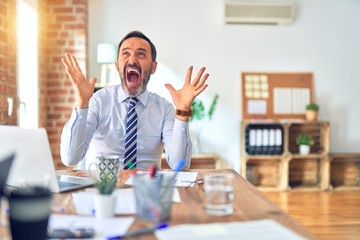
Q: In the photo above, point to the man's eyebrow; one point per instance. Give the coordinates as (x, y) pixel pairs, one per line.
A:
(139, 49)
(142, 49)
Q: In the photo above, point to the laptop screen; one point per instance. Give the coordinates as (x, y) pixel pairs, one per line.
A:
(5, 165)
(33, 163)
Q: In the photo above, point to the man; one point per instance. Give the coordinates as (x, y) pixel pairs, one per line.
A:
(98, 124)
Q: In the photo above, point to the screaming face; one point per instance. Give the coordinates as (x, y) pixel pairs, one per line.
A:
(135, 66)
(134, 83)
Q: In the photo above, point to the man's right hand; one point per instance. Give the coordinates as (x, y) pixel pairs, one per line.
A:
(82, 88)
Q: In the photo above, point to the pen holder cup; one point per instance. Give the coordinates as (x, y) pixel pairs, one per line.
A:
(153, 197)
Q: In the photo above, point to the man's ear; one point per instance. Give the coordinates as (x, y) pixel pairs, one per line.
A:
(117, 65)
(154, 65)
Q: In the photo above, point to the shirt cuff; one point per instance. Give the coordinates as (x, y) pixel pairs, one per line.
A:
(181, 128)
(79, 116)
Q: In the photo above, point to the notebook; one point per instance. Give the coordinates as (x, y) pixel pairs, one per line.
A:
(33, 163)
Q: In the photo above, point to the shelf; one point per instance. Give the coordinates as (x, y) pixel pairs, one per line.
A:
(293, 170)
(345, 171)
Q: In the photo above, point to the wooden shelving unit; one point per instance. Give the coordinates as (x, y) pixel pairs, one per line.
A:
(289, 169)
(345, 171)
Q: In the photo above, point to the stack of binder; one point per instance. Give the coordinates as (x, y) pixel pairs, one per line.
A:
(264, 139)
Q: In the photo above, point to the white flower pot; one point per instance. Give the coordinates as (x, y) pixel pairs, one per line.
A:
(304, 149)
(104, 205)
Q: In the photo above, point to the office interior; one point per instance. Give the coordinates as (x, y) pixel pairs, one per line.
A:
(323, 39)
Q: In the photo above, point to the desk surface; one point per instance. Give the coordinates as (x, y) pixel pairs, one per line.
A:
(249, 204)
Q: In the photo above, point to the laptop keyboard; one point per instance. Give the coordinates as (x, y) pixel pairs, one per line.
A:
(68, 186)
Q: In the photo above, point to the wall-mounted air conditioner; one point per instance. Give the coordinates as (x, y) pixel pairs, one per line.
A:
(268, 13)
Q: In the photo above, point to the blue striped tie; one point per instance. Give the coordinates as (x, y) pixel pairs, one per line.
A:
(131, 135)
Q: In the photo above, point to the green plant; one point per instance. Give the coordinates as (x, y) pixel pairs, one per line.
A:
(304, 139)
(106, 185)
(312, 107)
(199, 111)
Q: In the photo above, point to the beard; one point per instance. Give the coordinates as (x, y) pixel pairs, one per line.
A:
(134, 91)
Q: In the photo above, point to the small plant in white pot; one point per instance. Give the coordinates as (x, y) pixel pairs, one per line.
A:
(305, 142)
(104, 200)
(312, 110)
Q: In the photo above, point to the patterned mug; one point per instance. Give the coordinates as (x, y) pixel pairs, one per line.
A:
(106, 165)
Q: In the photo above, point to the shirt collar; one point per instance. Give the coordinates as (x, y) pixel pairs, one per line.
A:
(122, 96)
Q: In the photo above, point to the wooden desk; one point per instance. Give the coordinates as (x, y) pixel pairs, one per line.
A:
(249, 204)
(198, 161)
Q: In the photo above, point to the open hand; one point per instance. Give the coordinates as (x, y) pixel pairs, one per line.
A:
(82, 88)
(184, 97)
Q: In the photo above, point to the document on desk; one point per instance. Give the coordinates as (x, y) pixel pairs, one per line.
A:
(183, 179)
(125, 201)
(103, 227)
(266, 229)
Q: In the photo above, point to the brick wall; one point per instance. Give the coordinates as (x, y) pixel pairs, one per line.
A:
(62, 28)
(8, 76)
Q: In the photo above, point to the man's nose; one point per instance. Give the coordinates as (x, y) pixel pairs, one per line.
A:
(132, 59)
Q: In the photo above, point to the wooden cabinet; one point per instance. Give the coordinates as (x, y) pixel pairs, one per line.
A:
(198, 161)
(274, 163)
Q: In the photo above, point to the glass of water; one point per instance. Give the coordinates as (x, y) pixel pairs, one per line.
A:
(219, 195)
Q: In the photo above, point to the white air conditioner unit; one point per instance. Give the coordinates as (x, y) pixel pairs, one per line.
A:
(263, 13)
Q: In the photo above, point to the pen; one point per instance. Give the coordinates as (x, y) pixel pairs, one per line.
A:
(140, 231)
(152, 171)
(178, 168)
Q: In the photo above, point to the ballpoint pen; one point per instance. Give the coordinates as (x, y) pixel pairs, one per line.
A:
(140, 231)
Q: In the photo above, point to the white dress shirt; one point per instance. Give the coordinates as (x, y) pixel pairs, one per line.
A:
(100, 129)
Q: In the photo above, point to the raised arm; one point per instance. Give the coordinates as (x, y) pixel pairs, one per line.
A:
(83, 89)
(184, 97)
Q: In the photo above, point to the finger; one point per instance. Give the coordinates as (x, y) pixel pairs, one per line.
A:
(93, 82)
(188, 75)
(64, 62)
(68, 59)
(170, 88)
(198, 76)
(70, 75)
(68, 68)
(200, 90)
(75, 63)
(202, 82)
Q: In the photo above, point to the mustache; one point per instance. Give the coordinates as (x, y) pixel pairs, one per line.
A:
(134, 65)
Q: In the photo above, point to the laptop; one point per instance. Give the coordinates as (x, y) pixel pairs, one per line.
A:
(33, 163)
(6, 160)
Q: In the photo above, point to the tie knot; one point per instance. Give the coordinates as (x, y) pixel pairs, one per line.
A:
(133, 101)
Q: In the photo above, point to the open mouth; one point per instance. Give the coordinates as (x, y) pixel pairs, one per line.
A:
(132, 74)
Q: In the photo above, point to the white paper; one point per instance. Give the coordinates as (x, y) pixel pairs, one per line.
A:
(300, 97)
(282, 101)
(256, 107)
(183, 179)
(266, 229)
(125, 201)
(103, 227)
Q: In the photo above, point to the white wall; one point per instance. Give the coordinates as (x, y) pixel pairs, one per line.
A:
(324, 39)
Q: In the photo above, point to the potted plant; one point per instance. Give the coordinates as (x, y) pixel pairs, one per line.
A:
(104, 200)
(200, 114)
(311, 112)
(304, 141)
